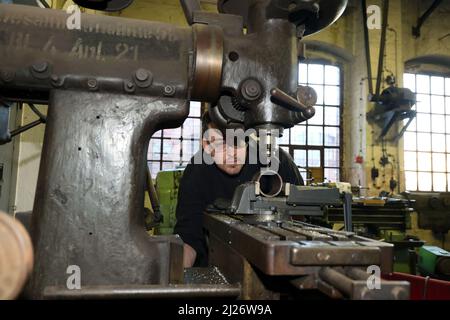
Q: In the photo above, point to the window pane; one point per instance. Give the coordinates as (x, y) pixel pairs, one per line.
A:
(332, 75)
(437, 85)
(412, 126)
(172, 133)
(438, 142)
(424, 141)
(423, 83)
(424, 179)
(157, 134)
(447, 86)
(300, 158)
(438, 123)
(409, 81)
(318, 116)
(439, 182)
(331, 174)
(410, 161)
(411, 180)
(194, 110)
(315, 73)
(304, 174)
(331, 158)
(331, 136)
(447, 142)
(315, 136)
(439, 162)
(423, 122)
(319, 92)
(302, 73)
(423, 103)
(154, 150)
(285, 138)
(154, 168)
(298, 135)
(332, 116)
(424, 161)
(332, 95)
(409, 141)
(171, 150)
(169, 165)
(314, 158)
(447, 104)
(191, 128)
(437, 104)
(190, 147)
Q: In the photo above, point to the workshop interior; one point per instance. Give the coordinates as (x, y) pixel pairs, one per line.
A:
(101, 108)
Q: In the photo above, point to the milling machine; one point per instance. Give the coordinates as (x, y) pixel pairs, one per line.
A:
(114, 82)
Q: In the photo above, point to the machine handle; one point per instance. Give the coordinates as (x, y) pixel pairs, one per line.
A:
(285, 100)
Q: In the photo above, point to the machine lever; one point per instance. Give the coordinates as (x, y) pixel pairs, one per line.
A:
(285, 100)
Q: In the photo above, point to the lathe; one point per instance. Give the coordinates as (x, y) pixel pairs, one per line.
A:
(109, 86)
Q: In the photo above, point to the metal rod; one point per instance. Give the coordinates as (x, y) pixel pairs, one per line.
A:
(42, 117)
(382, 47)
(424, 17)
(145, 291)
(366, 44)
(287, 100)
(25, 127)
(336, 279)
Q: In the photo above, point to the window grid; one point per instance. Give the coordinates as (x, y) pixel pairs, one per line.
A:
(316, 142)
(427, 139)
(170, 148)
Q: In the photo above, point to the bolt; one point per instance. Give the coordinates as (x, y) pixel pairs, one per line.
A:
(141, 75)
(169, 90)
(129, 86)
(56, 81)
(40, 67)
(251, 89)
(92, 83)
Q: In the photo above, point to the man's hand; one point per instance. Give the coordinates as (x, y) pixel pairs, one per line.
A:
(189, 255)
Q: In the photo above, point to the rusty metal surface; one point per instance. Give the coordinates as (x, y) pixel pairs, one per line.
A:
(108, 54)
(208, 62)
(88, 207)
(110, 86)
(272, 251)
(16, 257)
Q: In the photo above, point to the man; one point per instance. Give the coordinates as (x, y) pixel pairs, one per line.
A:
(202, 184)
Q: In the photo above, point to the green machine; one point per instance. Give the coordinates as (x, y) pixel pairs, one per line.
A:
(434, 262)
(167, 186)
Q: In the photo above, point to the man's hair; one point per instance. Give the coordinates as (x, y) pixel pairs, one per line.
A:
(207, 123)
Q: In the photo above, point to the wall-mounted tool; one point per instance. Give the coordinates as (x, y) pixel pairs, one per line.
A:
(394, 104)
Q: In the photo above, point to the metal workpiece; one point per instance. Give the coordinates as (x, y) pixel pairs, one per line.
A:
(88, 208)
(290, 248)
(108, 54)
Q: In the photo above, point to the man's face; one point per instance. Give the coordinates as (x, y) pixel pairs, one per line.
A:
(229, 157)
